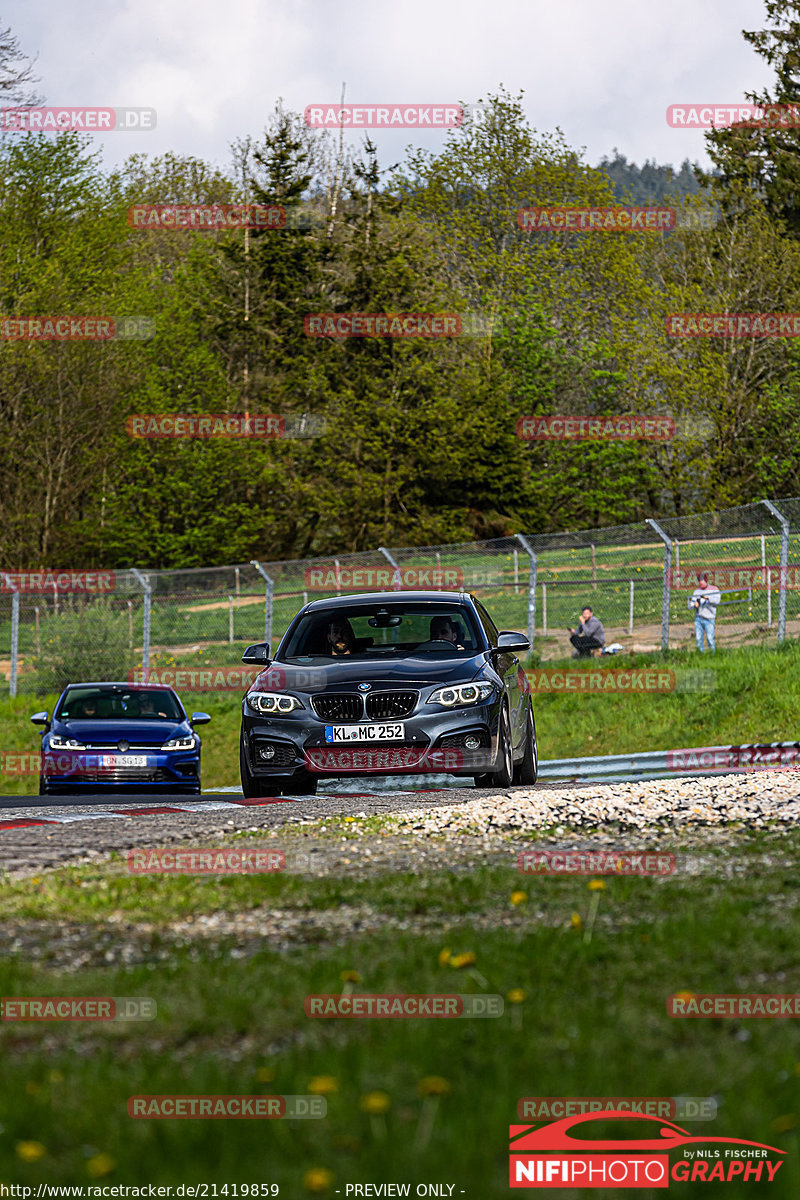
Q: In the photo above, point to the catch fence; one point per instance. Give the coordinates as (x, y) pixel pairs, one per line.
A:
(637, 578)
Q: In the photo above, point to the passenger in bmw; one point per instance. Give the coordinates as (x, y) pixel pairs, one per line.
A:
(341, 638)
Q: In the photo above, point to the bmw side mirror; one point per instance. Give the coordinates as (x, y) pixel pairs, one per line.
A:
(513, 643)
(40, 718)
(258, 653)
(199, 719)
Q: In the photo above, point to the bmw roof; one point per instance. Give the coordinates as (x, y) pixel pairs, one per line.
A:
(432, 597)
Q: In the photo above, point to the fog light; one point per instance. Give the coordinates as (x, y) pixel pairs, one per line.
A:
(471, 742)
(266, 752)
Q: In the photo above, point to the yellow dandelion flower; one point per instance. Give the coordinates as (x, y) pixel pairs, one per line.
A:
(444, 957)
(30, 1151)
(596, 885)
(375, 1103)
(576, 921)
(433, 1085)
(318, 1179)
(56, 1077)
(265, 1075)
(785, 1123)
(516, 995)
(350, 977)
(323, 1085)
(462, 960)
(684, 995)
(519, 897)
(100, 1164)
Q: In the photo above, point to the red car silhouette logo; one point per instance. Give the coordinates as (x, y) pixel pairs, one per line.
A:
(556, 1136)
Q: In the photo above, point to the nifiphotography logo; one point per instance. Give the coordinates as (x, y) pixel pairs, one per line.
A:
(558, 1156)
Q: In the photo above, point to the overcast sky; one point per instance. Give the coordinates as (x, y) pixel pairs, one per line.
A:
(213, 69)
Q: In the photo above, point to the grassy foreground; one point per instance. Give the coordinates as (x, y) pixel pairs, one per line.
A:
(756, 698)
(408, 1099)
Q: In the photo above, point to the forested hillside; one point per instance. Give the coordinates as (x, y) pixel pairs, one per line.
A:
(418, 441)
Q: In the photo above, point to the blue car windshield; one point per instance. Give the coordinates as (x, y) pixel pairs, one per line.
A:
(118, 704)
(401, 629)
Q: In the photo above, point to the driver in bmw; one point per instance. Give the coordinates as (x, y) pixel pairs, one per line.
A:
(443, 630)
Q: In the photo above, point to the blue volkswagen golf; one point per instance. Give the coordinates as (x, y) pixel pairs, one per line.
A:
(119, 736)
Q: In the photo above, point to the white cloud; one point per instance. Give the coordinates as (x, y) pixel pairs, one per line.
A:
(213, 69)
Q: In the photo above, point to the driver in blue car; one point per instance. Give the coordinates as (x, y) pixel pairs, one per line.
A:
(443, 630)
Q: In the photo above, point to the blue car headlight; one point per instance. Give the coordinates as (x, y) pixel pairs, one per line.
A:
(272, 702)
(181, 742)
(57, 742)
(461, 693)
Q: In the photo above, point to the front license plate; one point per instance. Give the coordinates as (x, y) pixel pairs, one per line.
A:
(395, 731)
(123, 760)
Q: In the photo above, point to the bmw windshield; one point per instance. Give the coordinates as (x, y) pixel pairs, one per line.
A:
(397, 630)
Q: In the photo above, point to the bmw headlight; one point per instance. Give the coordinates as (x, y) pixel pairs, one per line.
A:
(181, 742)
(272, 702)
(57, 742)
(461, 693)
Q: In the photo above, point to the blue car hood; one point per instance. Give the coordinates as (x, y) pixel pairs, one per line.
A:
(150, 732)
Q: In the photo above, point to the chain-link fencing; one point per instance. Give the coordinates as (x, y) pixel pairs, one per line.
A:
(190, 626)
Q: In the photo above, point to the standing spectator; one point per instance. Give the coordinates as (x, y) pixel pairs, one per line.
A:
(704, 600)
(589, 635)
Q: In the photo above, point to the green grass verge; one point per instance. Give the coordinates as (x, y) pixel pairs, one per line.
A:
(592, 1022)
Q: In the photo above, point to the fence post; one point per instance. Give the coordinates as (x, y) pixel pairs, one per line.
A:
(38, 633)
(230, 620)
(667, 582)
(526, 546)
(396, 582)
(144, 583)
(544, 610)
(12, 682)
(516, 570)
(784, 568)
(630, 613)
(270, 590)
